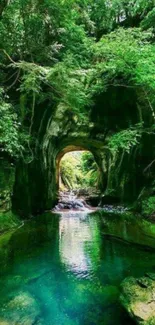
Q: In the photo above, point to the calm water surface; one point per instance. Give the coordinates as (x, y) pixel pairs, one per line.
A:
(61, 270)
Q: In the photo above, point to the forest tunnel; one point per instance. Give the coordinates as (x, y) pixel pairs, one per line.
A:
(76, 169)
(82, 145)
(61, 154)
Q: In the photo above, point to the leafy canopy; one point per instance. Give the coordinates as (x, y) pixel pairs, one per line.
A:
(10, 139)
(66, 52)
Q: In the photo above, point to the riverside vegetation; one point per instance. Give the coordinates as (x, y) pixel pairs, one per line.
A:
(79, 75)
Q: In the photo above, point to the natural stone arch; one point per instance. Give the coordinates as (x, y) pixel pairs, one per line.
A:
(60, 156)
(56, 128)
(95, 147)
(35, 188)
(37, 182)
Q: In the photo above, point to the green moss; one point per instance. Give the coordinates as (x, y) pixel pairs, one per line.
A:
(148, 206)
(8, 221)
(136, 297)
(128, 226)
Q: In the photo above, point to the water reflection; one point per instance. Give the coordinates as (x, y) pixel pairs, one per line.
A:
(58, 267)
(74, 234)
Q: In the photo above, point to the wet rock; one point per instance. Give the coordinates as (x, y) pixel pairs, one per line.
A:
(114, 208)
(138, 298)
(21, 309)
(70, 201)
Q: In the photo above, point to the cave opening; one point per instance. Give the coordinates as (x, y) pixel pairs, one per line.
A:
(78, 172)
(78, 179)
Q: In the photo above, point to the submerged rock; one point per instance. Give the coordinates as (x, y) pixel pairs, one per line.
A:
(138, 298)
(21, 309)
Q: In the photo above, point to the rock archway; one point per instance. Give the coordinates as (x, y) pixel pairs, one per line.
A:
(58, 130)
(94, 146)
(40, 178)
(60, 156)
(85, 147)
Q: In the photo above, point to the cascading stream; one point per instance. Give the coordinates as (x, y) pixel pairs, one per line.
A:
(70, 201)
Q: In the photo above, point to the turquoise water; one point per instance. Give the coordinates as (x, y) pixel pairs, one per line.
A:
(61, 270)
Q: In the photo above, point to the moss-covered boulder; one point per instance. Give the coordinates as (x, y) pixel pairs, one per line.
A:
(138, 298)
(21, 309)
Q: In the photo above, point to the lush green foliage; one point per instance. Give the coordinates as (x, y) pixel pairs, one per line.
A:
(90, 170)
(125, 139)
(69, 179)
(78, 170)
(68, 51)
(126, 58)
(148, 206)
(9, 128)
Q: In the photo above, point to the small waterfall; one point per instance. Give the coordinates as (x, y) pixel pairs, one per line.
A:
(70, 201)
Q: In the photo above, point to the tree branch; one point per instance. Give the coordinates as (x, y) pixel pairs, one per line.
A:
(8, 56)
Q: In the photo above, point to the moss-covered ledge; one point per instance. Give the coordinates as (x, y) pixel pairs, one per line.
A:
(138, 298)
(129, 226)
(8, 221)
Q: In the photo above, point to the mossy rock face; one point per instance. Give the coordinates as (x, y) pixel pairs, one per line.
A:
(7, 175)
(138, 298)
(8, 221)
(148, 206)
(125, 224)
(59, 130)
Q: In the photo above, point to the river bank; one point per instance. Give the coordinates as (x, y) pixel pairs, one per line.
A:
(9, 221)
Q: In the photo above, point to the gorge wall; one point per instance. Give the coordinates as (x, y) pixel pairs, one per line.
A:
(124, 175)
